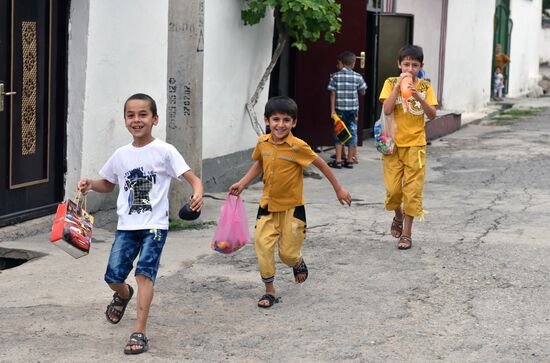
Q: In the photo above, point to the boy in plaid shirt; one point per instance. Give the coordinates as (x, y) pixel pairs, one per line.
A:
(345, 86)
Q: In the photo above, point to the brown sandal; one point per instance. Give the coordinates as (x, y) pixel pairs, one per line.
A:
(405, 243)
(396, 228)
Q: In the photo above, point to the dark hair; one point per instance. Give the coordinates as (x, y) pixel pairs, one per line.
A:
(143, 97)
(413, 52)
(347, 58)
(281, 104)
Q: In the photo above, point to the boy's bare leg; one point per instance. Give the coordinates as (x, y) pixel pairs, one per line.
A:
(339, 148)
(397, 231)
(352, 150)
(269, 289)
(143, 303)
(407, 232)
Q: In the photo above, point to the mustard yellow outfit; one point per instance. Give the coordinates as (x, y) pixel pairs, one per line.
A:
(502, 60)
(404, 171)
(281, 216)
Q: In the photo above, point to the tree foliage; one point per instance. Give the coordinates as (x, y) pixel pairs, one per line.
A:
(304, 20)
(301, 21)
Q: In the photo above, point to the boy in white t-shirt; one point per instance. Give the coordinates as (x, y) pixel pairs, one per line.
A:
(143, 171)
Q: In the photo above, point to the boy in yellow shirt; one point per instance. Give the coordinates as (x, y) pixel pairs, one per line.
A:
(281, 216)
(405, 169)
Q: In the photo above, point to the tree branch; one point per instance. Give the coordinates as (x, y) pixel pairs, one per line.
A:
(281, 41)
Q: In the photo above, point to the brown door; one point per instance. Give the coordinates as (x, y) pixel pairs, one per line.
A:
(313, 70)
(32, 119)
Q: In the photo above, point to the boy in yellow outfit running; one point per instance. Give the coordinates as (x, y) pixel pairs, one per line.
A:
(281, 216)
(405, 169)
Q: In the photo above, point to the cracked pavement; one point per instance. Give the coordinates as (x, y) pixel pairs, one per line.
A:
(474, 287)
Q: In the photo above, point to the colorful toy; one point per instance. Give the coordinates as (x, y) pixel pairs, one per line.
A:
(340, 129)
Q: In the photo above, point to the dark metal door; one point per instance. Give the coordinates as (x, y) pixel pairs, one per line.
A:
(387, 33)
(32, 64)
(312, 74)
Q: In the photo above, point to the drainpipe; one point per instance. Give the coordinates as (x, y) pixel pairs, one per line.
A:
(390, 6)
(442, 46)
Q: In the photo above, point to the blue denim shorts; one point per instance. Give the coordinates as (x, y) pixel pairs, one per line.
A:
(350, 119)
(147, 243)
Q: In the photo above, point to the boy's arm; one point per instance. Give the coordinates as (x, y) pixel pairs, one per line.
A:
(196, 202)
(332, 103)
(250, 175)
(341, 193)
(84, 185)
(429, 110)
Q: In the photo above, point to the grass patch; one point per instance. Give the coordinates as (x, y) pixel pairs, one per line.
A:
(523, 112)
(507, 117)
(179, 225)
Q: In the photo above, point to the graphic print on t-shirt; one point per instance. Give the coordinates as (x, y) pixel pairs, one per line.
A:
(139, 183)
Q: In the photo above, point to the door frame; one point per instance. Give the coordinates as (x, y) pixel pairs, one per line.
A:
(57, 14)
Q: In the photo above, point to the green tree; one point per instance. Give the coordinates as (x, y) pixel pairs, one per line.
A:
(299, 20)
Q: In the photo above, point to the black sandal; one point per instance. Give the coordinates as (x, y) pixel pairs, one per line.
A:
(138, 339)
(397, 227)
(300, 270)
(336, 164)
(118, 301)
(405, 243)
(269, 298)
(348, 165)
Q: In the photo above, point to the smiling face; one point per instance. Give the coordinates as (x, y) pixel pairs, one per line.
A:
(139, 120)
(410, 65)
(280, 125)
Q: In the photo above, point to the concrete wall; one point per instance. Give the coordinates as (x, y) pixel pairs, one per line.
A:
(544, 46)
(235, 57)
(125, 45)
(427, 26)
(524, 68)
(467, 79)
(76, 92)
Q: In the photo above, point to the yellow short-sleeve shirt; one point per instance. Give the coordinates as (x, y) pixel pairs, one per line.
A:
(283, 165)
(410, 124)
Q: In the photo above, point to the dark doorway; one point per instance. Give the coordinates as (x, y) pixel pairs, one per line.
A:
(503, 34)
(387, 33)
(312, 74)
(33, 51)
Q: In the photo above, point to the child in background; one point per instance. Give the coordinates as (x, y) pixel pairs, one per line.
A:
(143, 170)
(405, 169)
(345, 87)
(281, 215)
(498, 84)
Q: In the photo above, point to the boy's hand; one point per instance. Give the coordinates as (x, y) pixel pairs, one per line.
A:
(196, 202)
(84, 185)
(343, 196)
(236, 189)
(415, 93)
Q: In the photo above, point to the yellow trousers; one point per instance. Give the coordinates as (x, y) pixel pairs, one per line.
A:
(288, 230)
(404, 173)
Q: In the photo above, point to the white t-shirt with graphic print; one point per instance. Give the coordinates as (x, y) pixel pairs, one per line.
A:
(143, 175)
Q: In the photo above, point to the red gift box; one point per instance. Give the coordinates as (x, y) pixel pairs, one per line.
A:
(72, 228)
